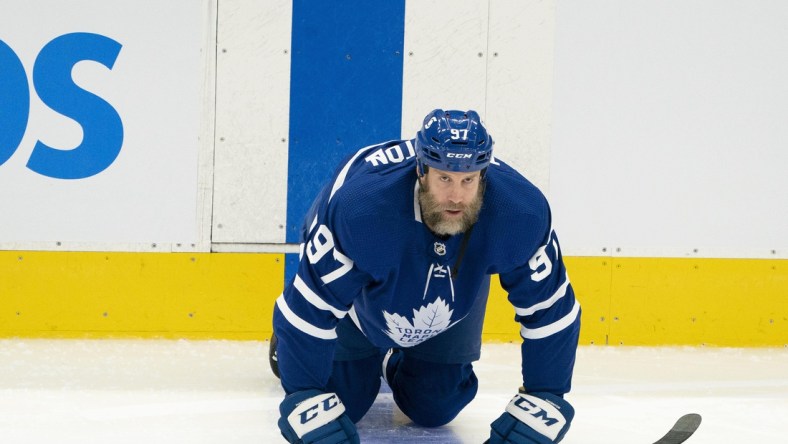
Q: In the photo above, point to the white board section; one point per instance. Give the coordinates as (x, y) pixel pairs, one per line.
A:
(491, 56)
(252, 118)
(670, 130)
(445, 63)
(127, 72)
(520, 84)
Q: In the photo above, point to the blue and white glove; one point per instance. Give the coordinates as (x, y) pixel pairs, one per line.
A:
(532, 418)
(314, 417)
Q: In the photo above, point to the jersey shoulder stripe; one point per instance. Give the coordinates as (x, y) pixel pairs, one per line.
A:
(340, 180)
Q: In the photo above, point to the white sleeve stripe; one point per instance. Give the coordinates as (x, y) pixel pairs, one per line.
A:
(561, 292)
(551, 329)
(314, 299)
(301, 324)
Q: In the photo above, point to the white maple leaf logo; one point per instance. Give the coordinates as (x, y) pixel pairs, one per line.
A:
(428, 321)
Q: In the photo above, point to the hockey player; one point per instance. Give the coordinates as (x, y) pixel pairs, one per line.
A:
(396, 256)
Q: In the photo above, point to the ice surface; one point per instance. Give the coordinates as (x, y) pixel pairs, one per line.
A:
(151, 391)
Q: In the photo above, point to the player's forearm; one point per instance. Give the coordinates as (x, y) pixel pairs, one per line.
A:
(548, 363)
(304, 361)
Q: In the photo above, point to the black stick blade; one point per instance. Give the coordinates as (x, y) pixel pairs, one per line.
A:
(683, 429)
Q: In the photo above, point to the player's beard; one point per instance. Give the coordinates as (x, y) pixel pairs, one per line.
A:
(432, 212)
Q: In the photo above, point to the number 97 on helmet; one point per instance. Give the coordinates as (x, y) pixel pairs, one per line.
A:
(453, 141)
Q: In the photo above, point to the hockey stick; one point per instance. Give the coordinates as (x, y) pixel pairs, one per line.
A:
(683, 429)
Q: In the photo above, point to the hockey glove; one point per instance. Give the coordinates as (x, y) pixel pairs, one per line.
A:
(532, 418)
(314, 417)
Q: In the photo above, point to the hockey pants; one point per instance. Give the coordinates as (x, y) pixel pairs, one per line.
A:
(430, 393)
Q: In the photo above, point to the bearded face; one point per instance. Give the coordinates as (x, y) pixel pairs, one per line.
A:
(450, 202)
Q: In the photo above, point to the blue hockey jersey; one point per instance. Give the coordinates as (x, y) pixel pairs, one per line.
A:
(365, 253)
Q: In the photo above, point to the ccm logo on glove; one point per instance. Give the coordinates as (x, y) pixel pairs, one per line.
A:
(537, 413)
(315, 412)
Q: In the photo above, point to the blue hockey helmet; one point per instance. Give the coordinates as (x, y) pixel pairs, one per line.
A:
(453, 141)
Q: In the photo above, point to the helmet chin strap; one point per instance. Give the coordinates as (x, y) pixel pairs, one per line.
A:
(421, 169)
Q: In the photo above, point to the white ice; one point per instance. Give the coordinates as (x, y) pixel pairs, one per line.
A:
(157, 391)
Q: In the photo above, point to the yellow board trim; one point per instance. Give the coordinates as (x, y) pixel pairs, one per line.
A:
(140, 295)
(626, 301)
(669, 301)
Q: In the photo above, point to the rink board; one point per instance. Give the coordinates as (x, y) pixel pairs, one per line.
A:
(172, 295)
(626, 301)
(671, 301)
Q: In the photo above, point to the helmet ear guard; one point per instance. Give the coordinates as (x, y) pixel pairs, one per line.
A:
(453, 141)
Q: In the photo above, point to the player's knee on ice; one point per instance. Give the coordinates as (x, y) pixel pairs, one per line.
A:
(433, 394)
